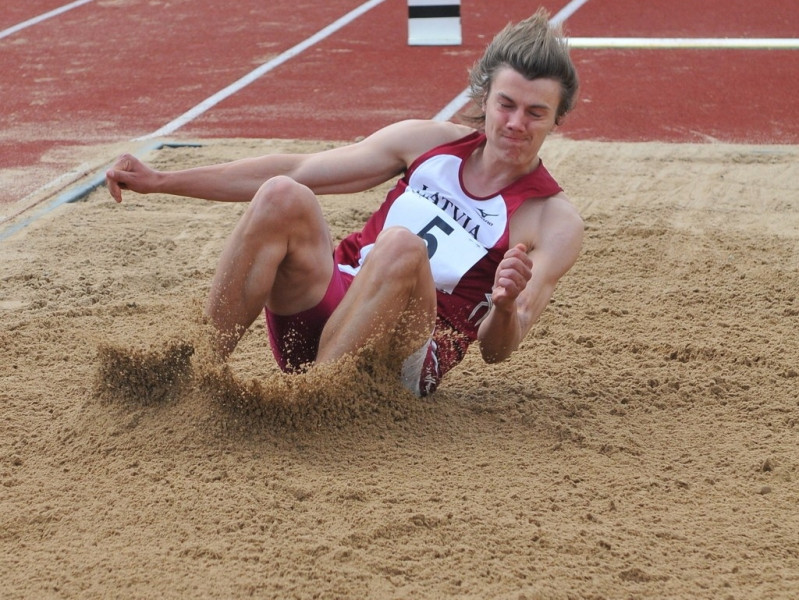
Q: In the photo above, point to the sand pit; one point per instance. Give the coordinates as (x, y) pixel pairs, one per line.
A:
(641, 444)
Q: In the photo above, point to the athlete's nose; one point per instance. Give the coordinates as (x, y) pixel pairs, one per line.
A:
(515, 120)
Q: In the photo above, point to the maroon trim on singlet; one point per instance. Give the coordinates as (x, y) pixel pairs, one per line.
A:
(456, 328)
(538, 183)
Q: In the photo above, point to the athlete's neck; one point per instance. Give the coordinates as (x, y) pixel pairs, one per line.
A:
(485, 175)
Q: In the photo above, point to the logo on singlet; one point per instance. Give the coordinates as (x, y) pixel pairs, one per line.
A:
(484, 215)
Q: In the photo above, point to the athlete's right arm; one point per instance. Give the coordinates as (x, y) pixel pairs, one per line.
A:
(355, 167)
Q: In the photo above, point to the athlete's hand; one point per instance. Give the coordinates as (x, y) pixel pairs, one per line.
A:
(129, 173)
(513, 273)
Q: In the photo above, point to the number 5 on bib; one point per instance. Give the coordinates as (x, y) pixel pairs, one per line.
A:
(451, 250)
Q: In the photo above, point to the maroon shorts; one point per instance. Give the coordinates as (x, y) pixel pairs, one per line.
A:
(294, 339)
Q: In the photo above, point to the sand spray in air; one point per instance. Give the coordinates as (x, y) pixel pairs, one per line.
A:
(166, 368)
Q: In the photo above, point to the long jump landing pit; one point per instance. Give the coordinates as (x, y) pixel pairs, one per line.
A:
(641, 443)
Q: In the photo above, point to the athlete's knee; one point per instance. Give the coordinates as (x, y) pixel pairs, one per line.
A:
(279, 201)
(281, 186)
(400, 251)
(401, 241)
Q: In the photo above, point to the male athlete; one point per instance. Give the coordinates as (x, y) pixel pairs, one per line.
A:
(469, 244)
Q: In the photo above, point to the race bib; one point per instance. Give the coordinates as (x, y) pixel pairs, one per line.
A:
(452, 251)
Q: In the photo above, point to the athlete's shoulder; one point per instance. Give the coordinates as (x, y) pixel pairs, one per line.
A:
(554, 218)
(563, 209)
(445, 130)
(414, 137)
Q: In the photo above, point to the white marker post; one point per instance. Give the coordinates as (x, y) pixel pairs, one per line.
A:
(434, 22)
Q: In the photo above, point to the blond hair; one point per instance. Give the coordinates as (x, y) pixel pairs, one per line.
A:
(534, 48)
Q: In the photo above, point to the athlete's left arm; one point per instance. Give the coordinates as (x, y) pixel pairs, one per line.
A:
(525, 280)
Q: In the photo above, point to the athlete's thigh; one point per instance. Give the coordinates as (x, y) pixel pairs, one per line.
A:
(401, 255)
(302, 277)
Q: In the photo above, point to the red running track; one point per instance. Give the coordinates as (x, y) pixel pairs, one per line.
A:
(110, 72)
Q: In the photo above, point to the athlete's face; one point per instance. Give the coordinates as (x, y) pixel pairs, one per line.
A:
(520, 113)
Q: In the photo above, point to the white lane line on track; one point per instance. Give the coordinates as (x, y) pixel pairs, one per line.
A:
(73, 195)
(459, 101)
(43, 17)
(671, 43)
(567, 11)
(19, 220)
(236, 86)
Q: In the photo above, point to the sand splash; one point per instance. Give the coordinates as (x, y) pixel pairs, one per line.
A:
(323, 396)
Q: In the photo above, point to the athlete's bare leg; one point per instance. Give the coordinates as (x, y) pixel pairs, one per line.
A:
(393, 297)
(279, 255)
